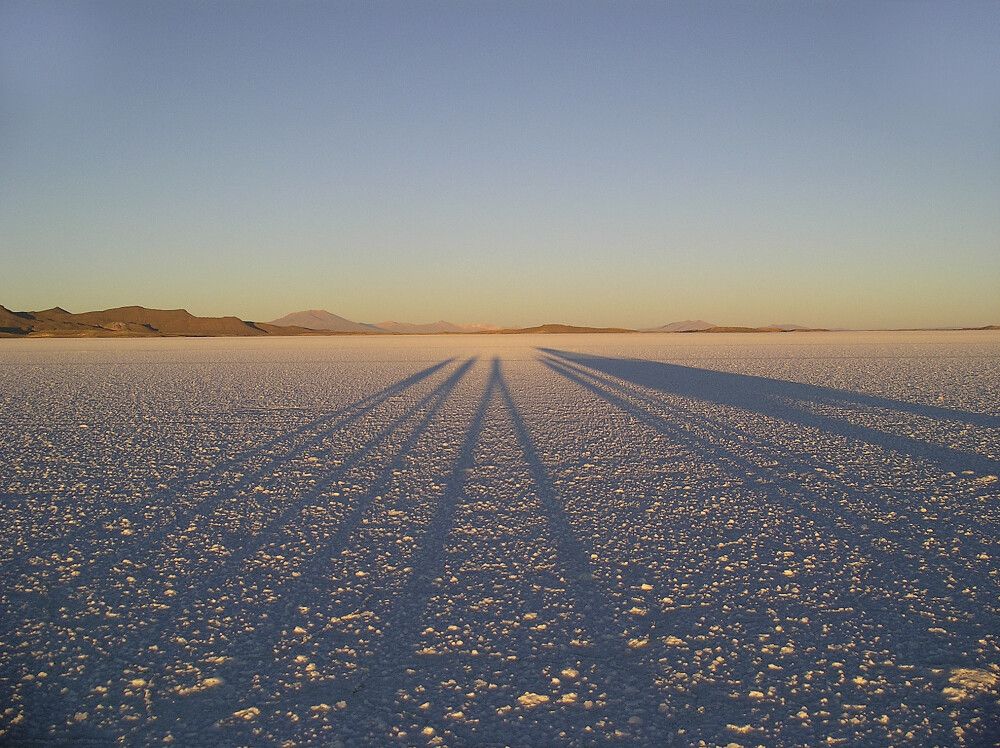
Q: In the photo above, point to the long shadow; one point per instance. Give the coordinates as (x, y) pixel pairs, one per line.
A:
(289, 511)
(598, 610)
(294, 591)
(767, 397)
(435, 399)
(851, 535)
(139, 542)
(903, 628)
(290, 593)
(790, 461)
(133, 514)
(403, 623)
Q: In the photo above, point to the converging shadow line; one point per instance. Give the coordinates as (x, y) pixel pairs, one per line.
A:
(860, 542)
(136, 511)
(352, 522)
(435, 399)
(695, 378)
(793, 462)
(402, 623)
(270, 625)
(209, 503)
(888, 608)
(100, 568)
(730, 389)
(569, 550)
(288, 512)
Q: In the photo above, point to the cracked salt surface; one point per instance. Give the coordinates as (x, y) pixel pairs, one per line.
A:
(727, 540)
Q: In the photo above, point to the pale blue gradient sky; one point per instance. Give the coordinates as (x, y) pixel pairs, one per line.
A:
(596, 163)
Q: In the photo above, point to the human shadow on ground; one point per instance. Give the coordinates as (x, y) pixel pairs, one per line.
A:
(135, 516)
(621, 664)
(153, 641)
(884, 510)
(882, 598)
(784, 492)
(622, 670)
(246, 545)
(769, 397)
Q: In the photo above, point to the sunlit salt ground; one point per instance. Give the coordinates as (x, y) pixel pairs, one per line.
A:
(752, 540)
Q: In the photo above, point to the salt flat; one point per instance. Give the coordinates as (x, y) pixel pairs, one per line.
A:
(759, 539)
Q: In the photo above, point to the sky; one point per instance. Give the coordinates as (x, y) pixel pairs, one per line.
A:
(606, 163)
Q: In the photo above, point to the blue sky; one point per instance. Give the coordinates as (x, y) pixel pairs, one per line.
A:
(832, 164)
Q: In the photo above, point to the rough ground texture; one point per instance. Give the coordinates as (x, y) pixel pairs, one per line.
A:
(781, 540)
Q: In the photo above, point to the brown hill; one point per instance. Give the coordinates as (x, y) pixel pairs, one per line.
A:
(167, 322)
(14, 323)
(50, 322)
(131, 321)
(140, 321)
(137, 321)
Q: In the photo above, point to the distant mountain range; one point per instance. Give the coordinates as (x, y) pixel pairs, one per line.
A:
(137, 321)
(132, 321)
(320, 319)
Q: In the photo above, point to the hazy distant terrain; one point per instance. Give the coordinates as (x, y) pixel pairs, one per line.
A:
(320, 319)
(528, 540)
(141, 322)
(687, 325)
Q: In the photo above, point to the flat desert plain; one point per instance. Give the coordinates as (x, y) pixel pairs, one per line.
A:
(785, 539)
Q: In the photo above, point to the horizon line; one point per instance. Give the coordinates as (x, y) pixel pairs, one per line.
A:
(136, 320)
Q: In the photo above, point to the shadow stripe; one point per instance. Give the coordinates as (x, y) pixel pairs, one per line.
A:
(403, 622)
(628, 665)
(785, 456)
(760, 395)
(909, 635)
(135, 512)
(294, 591)
(287, 513)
